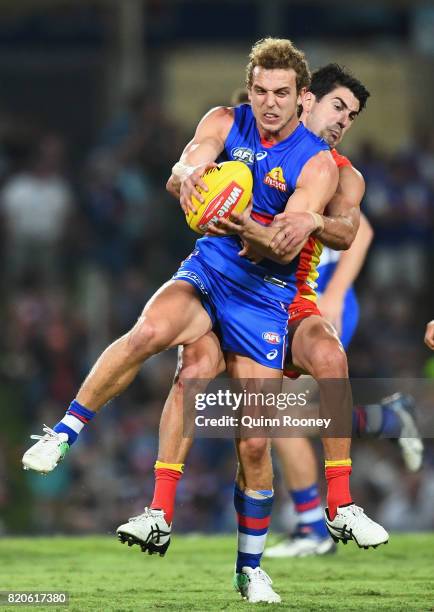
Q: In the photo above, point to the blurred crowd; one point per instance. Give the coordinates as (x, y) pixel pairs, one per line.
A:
(86, 240)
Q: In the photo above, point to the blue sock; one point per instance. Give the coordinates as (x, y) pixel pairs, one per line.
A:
(254, 517)
(391, 424)
(310, 514)
(376, 420)
(76, 417)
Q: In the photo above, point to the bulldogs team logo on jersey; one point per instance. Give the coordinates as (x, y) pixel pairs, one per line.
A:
(271, 337)
(276, 179)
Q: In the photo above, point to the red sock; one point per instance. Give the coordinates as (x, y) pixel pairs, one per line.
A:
(166, 482)
(338, 491)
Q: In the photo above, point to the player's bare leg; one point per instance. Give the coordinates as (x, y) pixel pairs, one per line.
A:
(197, 364)
(201, 360)
(253, 496)
(299, 452)
(317, 350)
(174, 315)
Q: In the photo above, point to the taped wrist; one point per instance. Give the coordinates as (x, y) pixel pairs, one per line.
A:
(183, 171)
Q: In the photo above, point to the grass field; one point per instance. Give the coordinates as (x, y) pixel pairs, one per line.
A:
(196, 574)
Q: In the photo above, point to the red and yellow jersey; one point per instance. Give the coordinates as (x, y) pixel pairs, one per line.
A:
(303, 304)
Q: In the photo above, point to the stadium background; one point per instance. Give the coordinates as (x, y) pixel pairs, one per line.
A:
(96, 102)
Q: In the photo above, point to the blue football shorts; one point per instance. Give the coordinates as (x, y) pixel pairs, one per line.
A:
(246, 322)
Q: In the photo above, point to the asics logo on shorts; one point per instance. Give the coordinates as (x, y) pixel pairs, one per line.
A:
(272, 354)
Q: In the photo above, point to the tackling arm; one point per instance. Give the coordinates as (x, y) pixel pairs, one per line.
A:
(336, 228)
(331, 302)
(342, 215)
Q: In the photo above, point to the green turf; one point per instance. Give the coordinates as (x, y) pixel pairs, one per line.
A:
(196, 574)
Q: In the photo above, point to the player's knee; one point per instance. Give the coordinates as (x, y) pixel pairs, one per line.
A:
(254, 449)
(192, 364)
(329, 359)
(146, 338)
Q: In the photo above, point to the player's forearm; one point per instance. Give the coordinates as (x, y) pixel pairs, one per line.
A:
(195, 155)
(351, 262)
(342, 215)
(203, 149)
(199, 154)
(338, 233)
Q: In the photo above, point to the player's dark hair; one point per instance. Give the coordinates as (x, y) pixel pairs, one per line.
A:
(329, 77)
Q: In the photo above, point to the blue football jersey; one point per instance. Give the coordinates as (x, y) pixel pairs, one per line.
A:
(275, 172)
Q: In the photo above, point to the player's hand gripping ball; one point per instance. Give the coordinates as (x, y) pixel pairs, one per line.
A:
(229, 190)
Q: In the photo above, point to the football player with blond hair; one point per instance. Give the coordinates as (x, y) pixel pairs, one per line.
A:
(215, 288)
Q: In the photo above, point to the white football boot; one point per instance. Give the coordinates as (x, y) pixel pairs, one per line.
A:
(44, 456)
(410, 440)
(301, 546)
(149, 530)
(351, 523)
(255, 586)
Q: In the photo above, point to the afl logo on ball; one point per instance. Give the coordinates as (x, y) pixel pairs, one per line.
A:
(271, 337)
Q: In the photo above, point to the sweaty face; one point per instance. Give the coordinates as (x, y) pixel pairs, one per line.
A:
(333, 115)
(273, 97)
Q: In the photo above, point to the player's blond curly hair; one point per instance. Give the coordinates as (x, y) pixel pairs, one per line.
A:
(271, 53)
